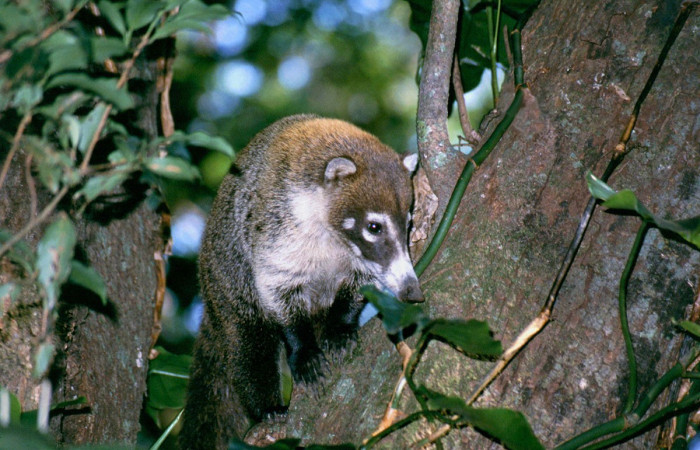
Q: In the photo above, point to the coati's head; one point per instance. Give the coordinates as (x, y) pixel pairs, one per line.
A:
(369, 189)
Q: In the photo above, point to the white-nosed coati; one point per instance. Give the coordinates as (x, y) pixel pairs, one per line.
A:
(314, 209)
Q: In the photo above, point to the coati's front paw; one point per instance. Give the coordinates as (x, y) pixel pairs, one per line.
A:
(338, 350)
(278, 414)
(308, 367)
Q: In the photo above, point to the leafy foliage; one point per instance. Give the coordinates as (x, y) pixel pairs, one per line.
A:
(67, 108)
(168, 374)
(472, 338)
(625, 200)
(476, 33)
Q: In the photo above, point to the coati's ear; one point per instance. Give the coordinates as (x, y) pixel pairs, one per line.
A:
(338, 168)
(410, 162)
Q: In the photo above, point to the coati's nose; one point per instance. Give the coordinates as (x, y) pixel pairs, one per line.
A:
(411, 292)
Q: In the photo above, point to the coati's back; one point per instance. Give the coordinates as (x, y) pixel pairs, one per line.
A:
(314, 209)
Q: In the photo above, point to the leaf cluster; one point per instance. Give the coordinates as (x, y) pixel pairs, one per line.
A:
(69, 113)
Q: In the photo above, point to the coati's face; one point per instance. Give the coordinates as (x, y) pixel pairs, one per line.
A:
(371, 214)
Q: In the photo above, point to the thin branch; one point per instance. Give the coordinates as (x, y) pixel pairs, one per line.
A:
(15, 146)
(33, 203)
(7, 54)
(45, 213)
(469, 134)
(128, 65)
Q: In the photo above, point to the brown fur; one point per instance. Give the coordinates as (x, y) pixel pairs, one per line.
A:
(277, 268)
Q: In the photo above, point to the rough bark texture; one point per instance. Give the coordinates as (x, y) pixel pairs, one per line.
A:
(585, 67)
(102, 352)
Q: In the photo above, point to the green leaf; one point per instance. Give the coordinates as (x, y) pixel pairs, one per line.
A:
(471, 337)
(54, 255)
(111, 11)
(69, 133)
(509, 427)
(173, 168)
(64, 104)
(598, 188)
(140, 13)
(168, 375)
(105, 47)
(102, 184)
(25, 437)
(65, 5)
(8, 294)
(42, 359)
(395, 315)
(201, 139)
(26, 97)
(9, 401)
(687, 229)
(53, 166)
(20, 253)
(104, 87)
(691, 327)
(65, 52)
(89, 126)
(88, 278)
(193, 14)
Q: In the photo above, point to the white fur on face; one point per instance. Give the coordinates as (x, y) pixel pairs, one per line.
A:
(348, 223)
(308, 255)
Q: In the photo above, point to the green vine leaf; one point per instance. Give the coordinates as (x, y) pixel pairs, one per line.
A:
(194, 15)
(471, 337)
(54, 256)
(509, 427)
(200, 139)
(26, 97)
(102, 184)
(396, 315)
(8, 295)
(90, 125)
(140, 13)
(20, 253)
(168, 375)
(113, 15)
(173, 168)
(88, 278)
(687, 229)
(691, 328)
(106, 88)
(8, 398)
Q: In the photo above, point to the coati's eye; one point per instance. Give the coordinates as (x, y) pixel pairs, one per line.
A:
(374, 227)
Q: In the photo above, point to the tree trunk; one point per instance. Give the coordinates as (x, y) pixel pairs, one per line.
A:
(585, 68)
(102, 352)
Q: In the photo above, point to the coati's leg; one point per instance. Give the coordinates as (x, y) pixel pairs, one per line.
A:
(304, 356)
(341, 322)
(255, 369)
(234, 381)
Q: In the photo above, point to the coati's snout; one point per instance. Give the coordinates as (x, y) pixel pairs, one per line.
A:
(411, 291)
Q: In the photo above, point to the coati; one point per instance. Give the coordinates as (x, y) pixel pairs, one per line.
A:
(314, 209)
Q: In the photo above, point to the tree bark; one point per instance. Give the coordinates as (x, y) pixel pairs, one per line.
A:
(585, 68)
(101, 352)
